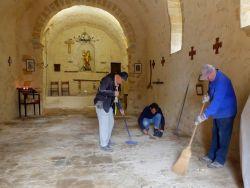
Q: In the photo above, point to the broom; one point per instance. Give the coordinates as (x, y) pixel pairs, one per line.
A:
(181, 165)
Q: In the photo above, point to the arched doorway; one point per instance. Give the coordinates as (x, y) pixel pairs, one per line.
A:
(80, 43)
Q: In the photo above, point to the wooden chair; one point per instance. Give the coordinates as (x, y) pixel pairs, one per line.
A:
(54, 88)
(65, 88)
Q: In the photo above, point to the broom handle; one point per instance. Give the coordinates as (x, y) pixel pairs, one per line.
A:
(124, 119)
(126, 125)
(196, 126)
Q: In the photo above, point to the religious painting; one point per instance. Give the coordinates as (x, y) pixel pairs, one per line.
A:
(30, 65)
(86, 60)
(138, 68)
(84, 57)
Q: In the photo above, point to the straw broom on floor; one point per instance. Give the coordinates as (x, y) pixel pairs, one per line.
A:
(181, 165)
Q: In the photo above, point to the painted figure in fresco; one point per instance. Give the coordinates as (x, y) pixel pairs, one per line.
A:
(86, 60)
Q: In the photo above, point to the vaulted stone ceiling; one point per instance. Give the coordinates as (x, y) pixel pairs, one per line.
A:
(86, 16)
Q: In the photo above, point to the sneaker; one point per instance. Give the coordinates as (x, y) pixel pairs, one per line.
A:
(205, 159)
(215, 164)
(107, 148)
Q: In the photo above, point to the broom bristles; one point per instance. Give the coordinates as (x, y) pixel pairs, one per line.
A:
(181, 165)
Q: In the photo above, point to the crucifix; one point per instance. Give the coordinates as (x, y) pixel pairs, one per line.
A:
(69, 42)
(192, 53)
(217, 45)
(162, 61)
(9, 60)
(153, 64)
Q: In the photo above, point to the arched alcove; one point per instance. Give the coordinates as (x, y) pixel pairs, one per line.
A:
(67, 38)
(57, 6)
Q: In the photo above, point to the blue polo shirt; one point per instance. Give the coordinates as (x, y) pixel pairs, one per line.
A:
(223, 102)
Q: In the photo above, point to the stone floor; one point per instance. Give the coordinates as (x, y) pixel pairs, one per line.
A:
(62, 152)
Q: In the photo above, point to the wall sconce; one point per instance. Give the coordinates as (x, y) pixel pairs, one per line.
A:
(199, 89)
(9, 60)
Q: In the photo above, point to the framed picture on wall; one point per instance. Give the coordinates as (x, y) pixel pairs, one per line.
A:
(199, 89)
(30, 65)
(138, 68)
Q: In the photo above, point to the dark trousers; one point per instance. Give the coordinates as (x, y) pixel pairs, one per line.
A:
(221, 136)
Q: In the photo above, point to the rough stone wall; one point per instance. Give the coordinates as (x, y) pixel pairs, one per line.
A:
(154, 16)
(204, 21)
(8, 74)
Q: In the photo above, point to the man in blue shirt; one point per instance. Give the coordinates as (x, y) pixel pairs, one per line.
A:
(223, 109)
(152, 114)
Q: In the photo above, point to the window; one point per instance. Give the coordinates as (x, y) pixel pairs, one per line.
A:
(175, 15)
(244, 13)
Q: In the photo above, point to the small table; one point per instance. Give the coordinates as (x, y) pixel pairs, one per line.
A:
(23, 99)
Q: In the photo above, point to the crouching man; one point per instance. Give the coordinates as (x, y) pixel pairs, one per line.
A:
(152, 114)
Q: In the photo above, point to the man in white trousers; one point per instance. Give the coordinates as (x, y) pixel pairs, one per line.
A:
(104, 100)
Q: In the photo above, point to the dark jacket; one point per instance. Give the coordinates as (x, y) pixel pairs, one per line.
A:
(106, 91)
(146, 113)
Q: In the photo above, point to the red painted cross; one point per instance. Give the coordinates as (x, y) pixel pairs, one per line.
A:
(192, 53)
(217, 45)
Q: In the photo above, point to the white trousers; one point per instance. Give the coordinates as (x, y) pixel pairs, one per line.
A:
(106, 124)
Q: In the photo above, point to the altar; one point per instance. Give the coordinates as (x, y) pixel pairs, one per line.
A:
(69, 102)
(79, 81)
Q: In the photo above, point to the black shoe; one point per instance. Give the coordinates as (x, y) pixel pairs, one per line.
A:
(158, 133)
